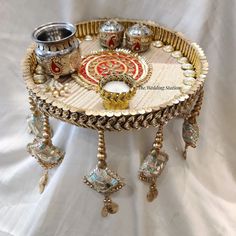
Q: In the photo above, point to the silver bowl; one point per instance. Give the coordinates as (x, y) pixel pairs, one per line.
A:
(57, 48)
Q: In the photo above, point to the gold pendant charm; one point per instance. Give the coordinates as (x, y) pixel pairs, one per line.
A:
(153, 192)
(113, 208)
(104, 212)
(43, 182)
(109, 207)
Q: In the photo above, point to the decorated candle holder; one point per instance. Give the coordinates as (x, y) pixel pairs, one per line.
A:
(111, 34)
(116, 91)
(57, 48)
(138, 38)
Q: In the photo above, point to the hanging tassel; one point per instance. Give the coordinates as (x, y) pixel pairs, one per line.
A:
(103, 180)
(47, 155)
(43, 182)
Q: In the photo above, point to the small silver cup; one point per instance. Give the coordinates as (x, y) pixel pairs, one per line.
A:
(111, 34)
(57, 48)
(138, 38)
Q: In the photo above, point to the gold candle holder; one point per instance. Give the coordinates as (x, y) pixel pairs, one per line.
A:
(117, 90)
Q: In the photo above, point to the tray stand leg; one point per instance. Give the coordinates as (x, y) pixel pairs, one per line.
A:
(190, 131)
(47, 155)
(153, 165)
(103, 180)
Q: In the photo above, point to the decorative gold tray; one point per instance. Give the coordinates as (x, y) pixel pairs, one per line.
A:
(163, 96)
(170, 83)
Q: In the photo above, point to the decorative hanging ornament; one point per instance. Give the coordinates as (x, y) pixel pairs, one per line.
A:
(153, 165)
(190, 131)
(103, 180)
(45, 152)
(190, 135)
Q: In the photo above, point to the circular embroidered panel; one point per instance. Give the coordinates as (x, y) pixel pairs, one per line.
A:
(105, 62)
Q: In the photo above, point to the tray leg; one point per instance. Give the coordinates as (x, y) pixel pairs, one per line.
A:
(190, 131)
(47, 155)
(153, 165)
(103, 180)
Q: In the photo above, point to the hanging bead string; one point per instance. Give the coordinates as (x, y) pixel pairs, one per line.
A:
(47, 135)
(42, 146)
(197, 107)
(157, 146)
(46, 140)
(33, 107)
(193, 115)
(101, 150)
(34, 120)
(158, 142)
(46, 131)
(109, 206)
(47, 143)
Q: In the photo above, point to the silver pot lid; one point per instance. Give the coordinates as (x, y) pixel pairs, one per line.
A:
(139, 30)
(111, 26)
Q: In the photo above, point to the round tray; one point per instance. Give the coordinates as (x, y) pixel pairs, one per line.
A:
(163, 96)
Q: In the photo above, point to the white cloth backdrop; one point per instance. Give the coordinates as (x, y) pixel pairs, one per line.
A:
(196, 197)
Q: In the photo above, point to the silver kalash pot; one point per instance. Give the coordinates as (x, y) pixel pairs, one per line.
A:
(138, 38)
(57, 48)
(111, 34)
